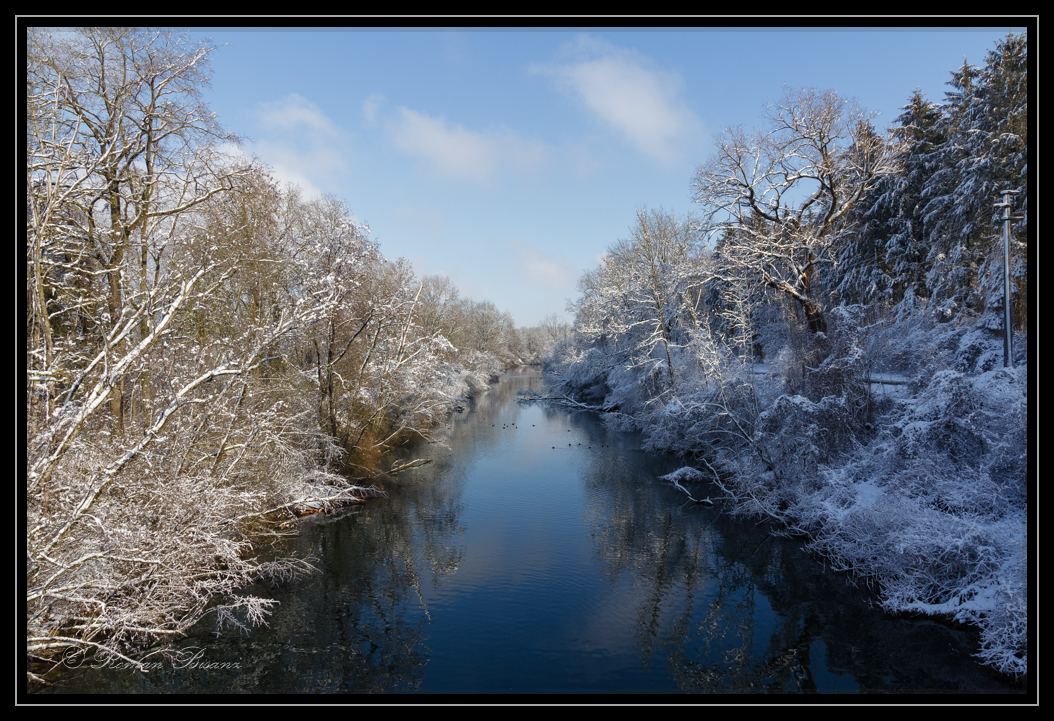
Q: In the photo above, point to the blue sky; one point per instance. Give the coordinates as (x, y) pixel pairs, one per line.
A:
(510, 159)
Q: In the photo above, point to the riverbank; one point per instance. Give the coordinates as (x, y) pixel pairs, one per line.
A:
(166, 579)
(922, 490)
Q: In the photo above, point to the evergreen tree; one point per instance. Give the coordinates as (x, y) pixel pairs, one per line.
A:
(951, 212)
(920, 135)
(998, 145)
(985, 150)
(861, 272)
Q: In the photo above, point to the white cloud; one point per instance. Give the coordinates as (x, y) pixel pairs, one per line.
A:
(454, 151)
(295, 112)
(556, 273)
(300, 143)
(620, 87)
(371, 108)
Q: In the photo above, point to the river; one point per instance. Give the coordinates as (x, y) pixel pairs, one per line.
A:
(539, 553)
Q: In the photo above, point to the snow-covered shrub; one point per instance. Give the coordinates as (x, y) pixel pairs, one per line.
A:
(910, 346)
(797, 435)
(934, 508)
(980, 349)
(577, 371)
(121, 555)
(835, 363)
(680, 425)
(923, 492)
(684, 474)
(1004, 630)
(920, 345)
(821, 418)
(712, 398)
(626, 398)
(480, 370)
(587, 377)
(698, 419)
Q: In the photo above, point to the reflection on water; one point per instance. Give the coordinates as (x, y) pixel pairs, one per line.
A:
(538, 553)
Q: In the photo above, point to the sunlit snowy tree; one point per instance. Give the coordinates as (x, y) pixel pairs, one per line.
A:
(786, 189)
(642, 301)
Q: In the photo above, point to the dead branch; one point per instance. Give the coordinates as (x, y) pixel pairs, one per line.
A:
(397, 467)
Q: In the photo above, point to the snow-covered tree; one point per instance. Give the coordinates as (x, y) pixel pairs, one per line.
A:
(120, 148)
(438, 308)
(153, 444)
(985, 152)
(785, 191)
(555, 328)
(200, 346)
(998, 150)
(642, 301)
(884, 256)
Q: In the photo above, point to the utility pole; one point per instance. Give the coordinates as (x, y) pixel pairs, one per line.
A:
(1008, 353)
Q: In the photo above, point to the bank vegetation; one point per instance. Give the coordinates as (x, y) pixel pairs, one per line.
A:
(208, 353)
(754, 338)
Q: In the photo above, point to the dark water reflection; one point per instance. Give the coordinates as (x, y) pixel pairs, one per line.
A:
(538, 553)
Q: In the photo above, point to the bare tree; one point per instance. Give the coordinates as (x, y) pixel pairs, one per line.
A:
(488, 327)
(438, 308)
(121, 147)
(554, 328)
(642, 298)
(778, 196)
(154, 440)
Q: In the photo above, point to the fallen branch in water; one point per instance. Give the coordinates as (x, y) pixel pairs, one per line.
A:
(396, 467)
(529, 394)
(687, 473)
(354, 494)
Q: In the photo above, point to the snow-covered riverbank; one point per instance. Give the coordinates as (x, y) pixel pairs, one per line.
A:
(917, 483)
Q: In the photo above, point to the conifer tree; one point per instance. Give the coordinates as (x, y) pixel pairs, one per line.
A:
(906, 247)
(953, 256)
(886, 256)
(998, 149)
(985, 129)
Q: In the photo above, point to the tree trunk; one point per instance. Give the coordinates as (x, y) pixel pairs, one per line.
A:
(814, 317)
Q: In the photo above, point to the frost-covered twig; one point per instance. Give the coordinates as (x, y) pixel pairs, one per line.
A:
(686, 473)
